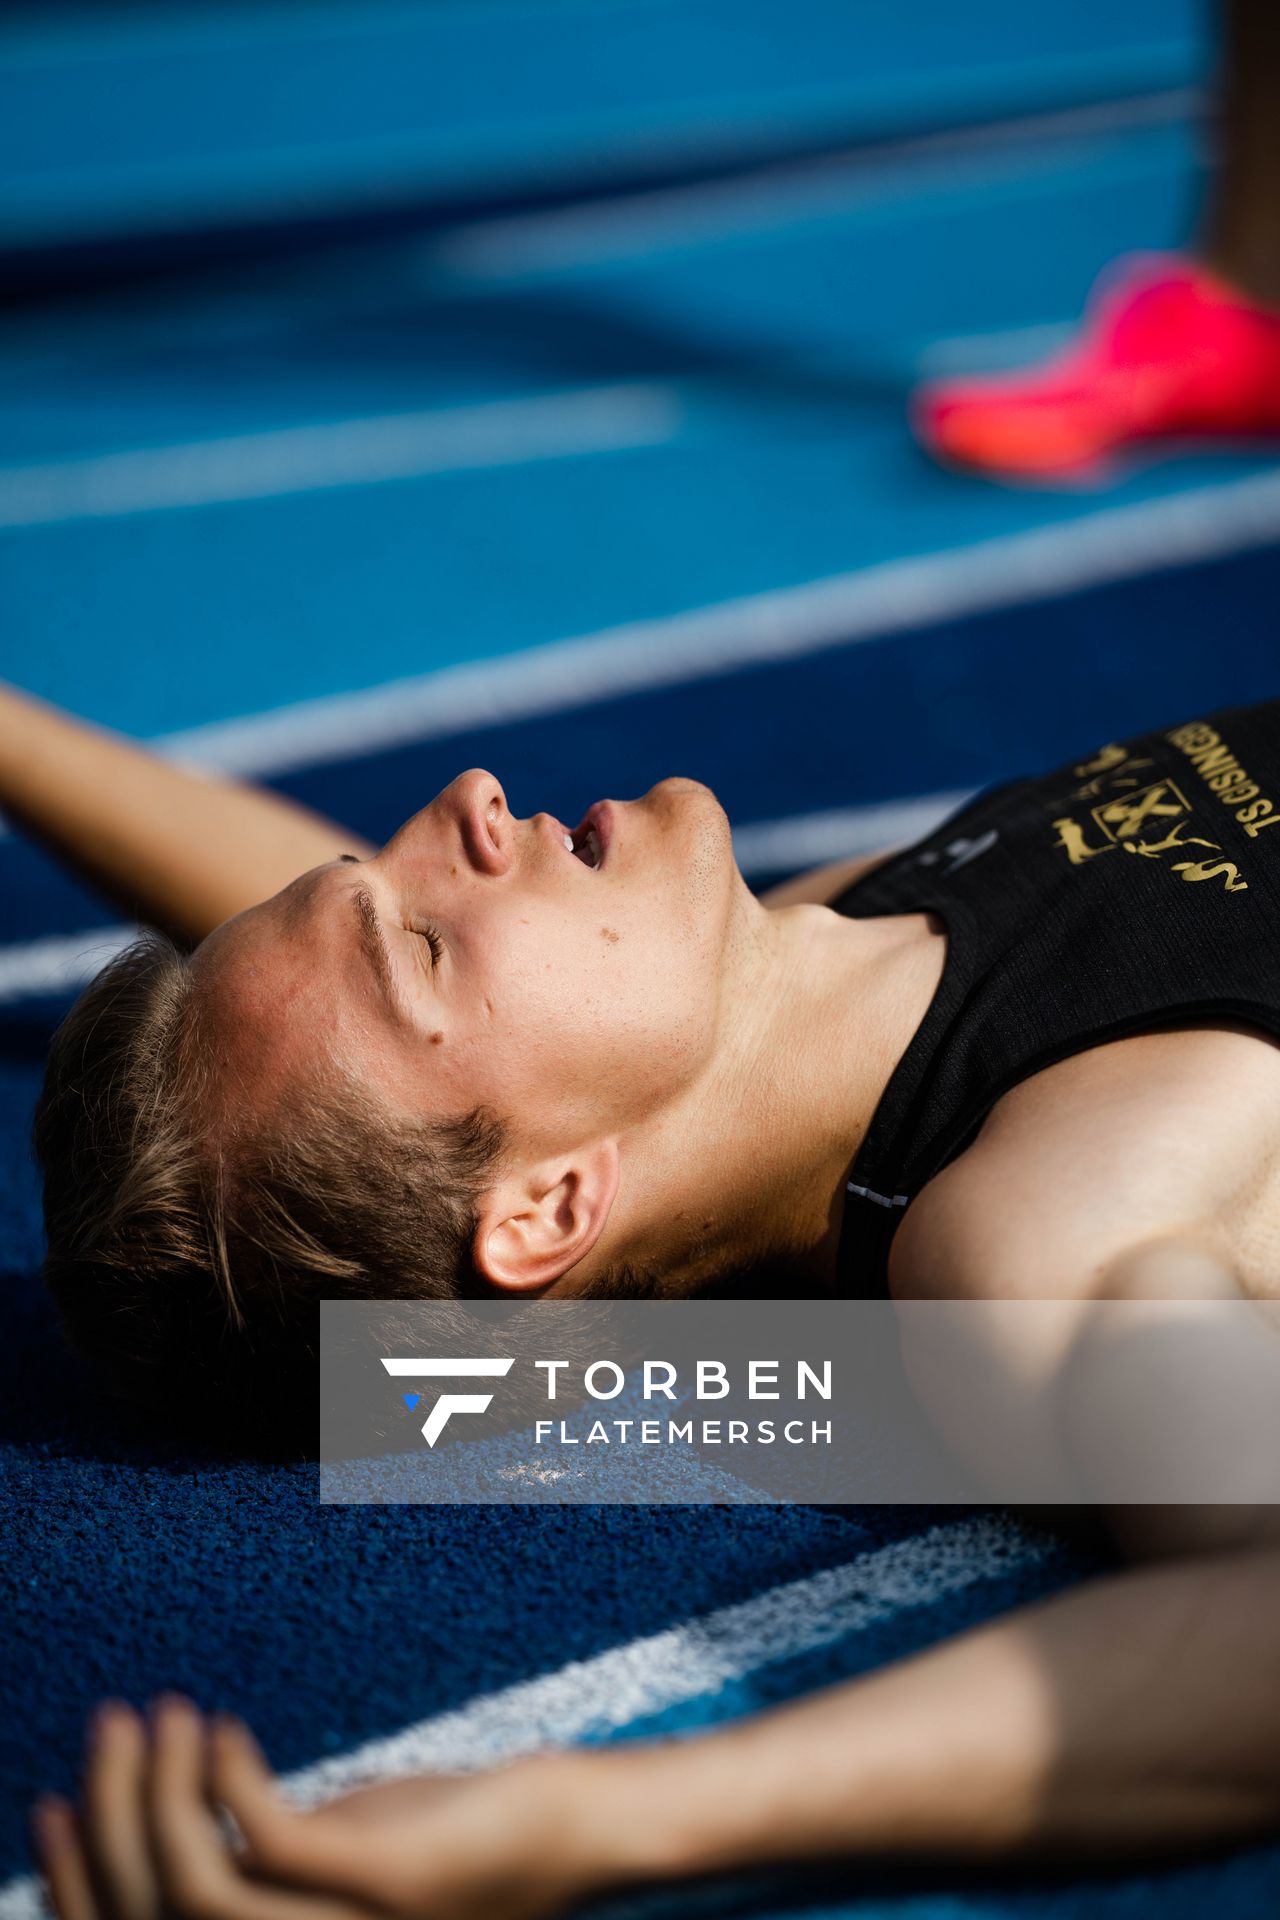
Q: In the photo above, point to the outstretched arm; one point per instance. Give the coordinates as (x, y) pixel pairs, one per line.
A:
(1139, 1714)
(1136, 1714)
(164, 845)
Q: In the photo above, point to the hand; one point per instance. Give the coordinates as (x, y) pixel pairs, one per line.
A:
(146, 1843)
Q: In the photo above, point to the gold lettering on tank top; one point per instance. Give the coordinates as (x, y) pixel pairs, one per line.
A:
(1222, 773)
(1119, 808)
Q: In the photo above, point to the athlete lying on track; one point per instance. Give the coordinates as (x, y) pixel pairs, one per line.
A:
(1034, 1055)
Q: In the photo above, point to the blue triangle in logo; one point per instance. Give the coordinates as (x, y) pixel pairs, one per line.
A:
(411, 1400)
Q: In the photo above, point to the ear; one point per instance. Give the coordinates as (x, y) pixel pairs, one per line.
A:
(536, 1224)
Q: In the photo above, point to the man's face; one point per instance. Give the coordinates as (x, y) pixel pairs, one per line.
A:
(479, 959)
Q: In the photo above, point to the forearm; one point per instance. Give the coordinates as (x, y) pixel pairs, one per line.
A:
(1135, 1715)
(1139, 1713)
(163, 844)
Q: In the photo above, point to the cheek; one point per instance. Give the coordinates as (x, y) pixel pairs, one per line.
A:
(645, 1016)
(615, 1017)
(619, 1004)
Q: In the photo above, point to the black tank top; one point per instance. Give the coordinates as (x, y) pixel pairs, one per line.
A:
(1135, 889)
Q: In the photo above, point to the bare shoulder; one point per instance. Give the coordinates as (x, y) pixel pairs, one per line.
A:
(1165, 1140)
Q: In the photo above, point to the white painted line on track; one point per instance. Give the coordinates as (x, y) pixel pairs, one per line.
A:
(777, 189)
(992, 352)
(343, 453)
(629, 225)
(692, 1661)
(845, 833)
(873, 603)
(59, 964)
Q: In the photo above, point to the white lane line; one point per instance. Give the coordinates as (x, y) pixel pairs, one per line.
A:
(632, 224)
(692, 1661)
(873, 603)
(845, 833)
(992, 352)
(60, 964)
(343, 453)
(589, 1698)
(861, 176)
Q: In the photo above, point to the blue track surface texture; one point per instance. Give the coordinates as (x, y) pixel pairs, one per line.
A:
(582, 457)
(158, 120)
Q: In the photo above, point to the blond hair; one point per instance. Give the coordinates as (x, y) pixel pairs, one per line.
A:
(187, 1253)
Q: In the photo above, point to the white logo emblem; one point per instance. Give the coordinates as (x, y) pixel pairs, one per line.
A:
(960, 852)
(436, 1421)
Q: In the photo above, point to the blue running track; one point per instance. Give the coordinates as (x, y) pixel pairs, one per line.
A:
(389, 389)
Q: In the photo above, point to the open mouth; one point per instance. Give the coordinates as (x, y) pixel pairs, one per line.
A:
(589, 841)
(584, 845)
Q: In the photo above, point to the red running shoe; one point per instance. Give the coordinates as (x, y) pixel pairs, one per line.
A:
(1166, 350)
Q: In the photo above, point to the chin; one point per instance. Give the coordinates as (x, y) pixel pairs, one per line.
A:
(694, 800)
(694, 819)
(712, 871)
(679, 785)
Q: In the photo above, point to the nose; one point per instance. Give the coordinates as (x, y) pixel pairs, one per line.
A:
(478, 805)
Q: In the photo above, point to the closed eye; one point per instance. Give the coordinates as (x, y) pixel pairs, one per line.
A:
(434, 942)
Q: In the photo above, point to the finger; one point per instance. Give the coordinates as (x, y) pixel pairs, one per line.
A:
(198, 1876)
(114, 1819)
(62, 1860)
(241, 1780)
(283, 1843)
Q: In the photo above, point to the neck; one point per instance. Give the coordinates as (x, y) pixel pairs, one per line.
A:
(751, 1169)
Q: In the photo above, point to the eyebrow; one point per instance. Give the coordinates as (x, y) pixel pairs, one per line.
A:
(373, 944)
